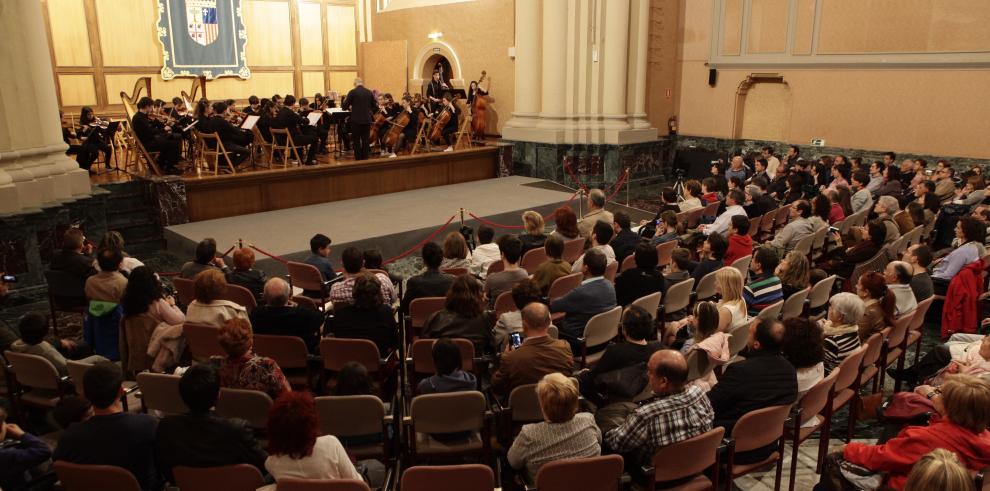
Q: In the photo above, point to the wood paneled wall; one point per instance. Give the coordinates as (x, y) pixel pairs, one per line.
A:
(101, 47)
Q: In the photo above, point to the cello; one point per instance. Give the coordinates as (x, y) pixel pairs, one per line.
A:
(376, 125)
(401, 121)
(436, 132)
(479, 109)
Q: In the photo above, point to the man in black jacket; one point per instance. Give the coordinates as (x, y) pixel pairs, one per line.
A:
(762, 380)
(298, 127)
(234, 139)
(625, 240)
(276, 317)
(167, 144)
(361, 103)
(432, 283)
(200, 438)
(74, 256)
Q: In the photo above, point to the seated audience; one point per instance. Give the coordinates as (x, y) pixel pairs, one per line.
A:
(624, 241)
(455, 252)
(733, 206)
(695, 328)
(939, 469)
(962, 408)
(353, 379)
(711, 257)
(880, 303)
(295, 447)
(919, 256)
(432, 282)
(945, 188)
(799, 227)
(679, 268)
(206, 258)
(108, 285)
(764, 288)
(450, 376)
(898, 275)
(972, 193)
(538, 355)
(535, 234)
(763, 379)
(201, 438)
(155, 344)
(692, 196)
(793, 272)
(886, 208)
(731, 304)
(891, 184)
(677, 413)
(319, 257)
(594, 296)
(596, 213)
(667, 229)
(740, 243)
(563, 434)
(464, 315)
(208, 308)
(635, 283)
(565, 224)
(840, 327)
(803, 346)
(279, 317)
(244, 275)
(111, 436)
(523, 293)
(241, 368)
(861, 199)
(74, 257)
(844, 260)
(601, 235)
(367, 316)
(34, 328)
(554, 268)
(762, 201)
(374, 262)
(821, 209)
(342, 292)
(638, 343)
(485, 254)
(20, 453)
(510, 248)
(970, 233)
(970, 357)
(113, 240)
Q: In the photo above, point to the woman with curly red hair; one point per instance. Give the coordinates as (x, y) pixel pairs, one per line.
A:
(295, 447)
(241, 368)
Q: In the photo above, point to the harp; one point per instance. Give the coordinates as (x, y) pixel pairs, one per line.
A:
(130, 101)
(189, 98)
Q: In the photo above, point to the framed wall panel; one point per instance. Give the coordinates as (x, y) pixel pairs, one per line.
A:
(768, 26)
(311, 33)
(70, 35)
(343, 35)
(261, 84)
(804, 27)
(732, 23)
(269, 42)
(127, 33)
(77, 90)
(312, 83)
(342, 82)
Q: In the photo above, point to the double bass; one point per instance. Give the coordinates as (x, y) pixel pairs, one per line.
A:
(479, 109)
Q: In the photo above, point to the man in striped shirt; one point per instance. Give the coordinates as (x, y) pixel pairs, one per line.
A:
(765, 288)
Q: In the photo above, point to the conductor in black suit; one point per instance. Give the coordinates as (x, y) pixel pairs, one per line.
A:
(288, 118)
(234, 139)
(360, 102)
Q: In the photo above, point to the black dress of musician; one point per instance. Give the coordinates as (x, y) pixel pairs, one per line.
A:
(287, 118)
(434, 92)
(449, 131)
(92, 132)
(234, 139)
(155, 139)
(361, 103)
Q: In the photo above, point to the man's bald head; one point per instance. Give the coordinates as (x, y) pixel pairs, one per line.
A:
(898, 272)
(536, 319)
(277, 292)
(668, 370)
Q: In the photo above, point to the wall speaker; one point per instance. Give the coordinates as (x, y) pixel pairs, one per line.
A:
(712, 76)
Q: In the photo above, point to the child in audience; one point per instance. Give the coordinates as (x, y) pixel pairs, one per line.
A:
(679, 268)
(554, 268)
(34, 327)
(19, 453)
(449, 377)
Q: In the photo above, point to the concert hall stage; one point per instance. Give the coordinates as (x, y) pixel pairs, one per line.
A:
(211, 197)
(393, 223)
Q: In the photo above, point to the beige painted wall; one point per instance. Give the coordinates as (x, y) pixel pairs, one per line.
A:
(662, 67)
(939, 111)
(480, 32)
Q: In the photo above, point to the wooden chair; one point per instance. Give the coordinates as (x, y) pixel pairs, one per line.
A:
(78, 477)
(282, 142)
(808, 421)
(846, 387)
(201, 339)
(602, 473)
(357, 416)
(742, 265)
(449, 412)
(699, 364)
(236, 476)
(783, 214)
(803, 246)
(893, 348)
(794, 305)
(141, 153)
(211, 148)
(533, 258)
(495, 267)
(869, 376)
(820, 293)
(291, 355)
(573, 248)
(561, 286)
(504, 303)
(465, 477)
(687, 458)
(77, 370)
(650, 303)
(611, 269)
(37, 382)
(706, 287)
(757, 429)
(678, 298)
(766, 225)
(600, 330)
(250, 405)
(819, 245)
(261, 147)
(241, 296)
(65, 294)
(336, 352)
(184, 290)
(874, 264)
(293, 484)
(307, 277)
(665, 251)
(694, 217)
(738, 338)
(455, 271)
(160, 392)
(772, 311)
(710, 210)
(421, 358)
(420, 310)
(628, 263)
(915, 330)
(754, 226)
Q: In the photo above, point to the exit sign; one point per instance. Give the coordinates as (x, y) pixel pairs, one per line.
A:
(818, 142)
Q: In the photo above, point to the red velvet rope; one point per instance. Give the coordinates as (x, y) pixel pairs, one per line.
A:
(567, 167)
(493, 224)
(283, 261)
(421, 243)
(618, 185)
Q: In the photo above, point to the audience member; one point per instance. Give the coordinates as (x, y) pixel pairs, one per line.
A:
(245, 275)
(21, 452)
(554, 267)
(624, 241)
(538, 355)
(761, 200)
(898, 275)
(74, 257)
(524, 293)
(111, 436)
(535, 234)
(970, 356)
(939, 469)
(563, 434)
(793, 272)
(733, 207)
(876, 178)
(944, 187)
(432, 282)
(596, 213)
(668, 229)
(485, 254)
(33, 328)
(353, 379)
(731, 304)
(108, 285)
(841, 328)
(319, 257)
(113, 240)
(861, 199)
(601, 384)
(601, 235)
(880, 304)
(241, 368)
(279, 317)
(740, 243)
(699, 326)
(450, 376)
(970, 233)
(803, 346)
(885, 209)
(679, 268)
(799, 227)
(919, 256)
(209, 308)
(891, 185)
(972, 193)
(692, 196)
(764, 288)
(455, 252)
(844, 259)
(642, 280)
(565, 222)
(342, 292)
(510, 248)
(711, 257)
(594, 296)
(765, 378)
(206, 258)
(367, 316)
(201, 438)
(464, 315)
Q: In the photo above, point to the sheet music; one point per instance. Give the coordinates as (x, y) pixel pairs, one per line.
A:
(332, 110)
(314, 117)
(250, 121)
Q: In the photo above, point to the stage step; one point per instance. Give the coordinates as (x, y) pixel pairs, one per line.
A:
(128, 212)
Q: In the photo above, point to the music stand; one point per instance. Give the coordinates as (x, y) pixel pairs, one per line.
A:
(338, 118)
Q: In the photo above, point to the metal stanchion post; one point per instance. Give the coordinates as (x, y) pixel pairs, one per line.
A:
(581, 203)
(627, 186)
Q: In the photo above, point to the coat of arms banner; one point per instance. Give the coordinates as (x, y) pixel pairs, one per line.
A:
(202, 38)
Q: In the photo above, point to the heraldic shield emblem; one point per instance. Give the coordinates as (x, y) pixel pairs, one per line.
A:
(201, 16)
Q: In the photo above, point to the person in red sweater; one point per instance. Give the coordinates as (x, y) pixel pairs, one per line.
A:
(962, 408)
(740, 243)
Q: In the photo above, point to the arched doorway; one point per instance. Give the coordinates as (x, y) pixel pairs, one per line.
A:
(763, 108)
(439, 63)
(426, 60)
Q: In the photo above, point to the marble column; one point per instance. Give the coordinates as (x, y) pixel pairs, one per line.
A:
(615, 53)
(527, 65)
(553, 98)
(639, 45)
(34, 170)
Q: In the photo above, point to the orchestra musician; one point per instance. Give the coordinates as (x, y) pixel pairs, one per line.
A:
(155, 139)
(449, 131)
(235, 140)
(434, 92)
(289, 119)
(94, 140)
(408, 135)
(360, 102)
(266, 113)
(323, 125)
(254, 106)
(68, 135)
(277, 100)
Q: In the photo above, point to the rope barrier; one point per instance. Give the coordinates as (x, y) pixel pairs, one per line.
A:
(618, 185)
(228, 251)
(570, 172)
(279, 259)
(421, 243)
(493, 224)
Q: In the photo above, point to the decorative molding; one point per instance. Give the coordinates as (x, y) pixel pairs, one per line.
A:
(741, 92)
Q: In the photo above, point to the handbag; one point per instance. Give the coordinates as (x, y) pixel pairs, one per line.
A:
(868, 406)
(623, 383)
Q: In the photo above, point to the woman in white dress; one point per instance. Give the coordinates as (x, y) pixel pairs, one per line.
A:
(731, 307)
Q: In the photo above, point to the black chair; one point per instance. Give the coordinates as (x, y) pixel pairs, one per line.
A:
(65, 294)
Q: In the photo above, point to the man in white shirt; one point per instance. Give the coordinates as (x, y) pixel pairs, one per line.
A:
(876, 177)
(601, 235)
(486, 253)
(772, 162)
(596, 212)
(861, 198)
(733, 206)
(898, 275)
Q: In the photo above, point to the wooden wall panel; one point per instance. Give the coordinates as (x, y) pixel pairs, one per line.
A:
(311, 33)
(342, 81)
(261, 84)
(768, 26)
(732, 27)
(127, 33)
(77, 90)
(269, 41)
(767, 112)
(804, 27)
(343, 35)
(384, 65)
(313, 82)
(70, 35)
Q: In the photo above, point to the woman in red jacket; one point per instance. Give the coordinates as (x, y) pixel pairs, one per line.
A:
(960, 426)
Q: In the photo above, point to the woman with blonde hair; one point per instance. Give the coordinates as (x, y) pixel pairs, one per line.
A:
(731, 307)
(535, 227)
(794, 273)
(209, 287)
(939, 469)
(455, 252)
(563, 434)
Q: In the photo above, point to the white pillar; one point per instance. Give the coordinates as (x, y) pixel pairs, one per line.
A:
(34, 169)
(553, 98)
(527, 64)
(639, 45)
(615, 53)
